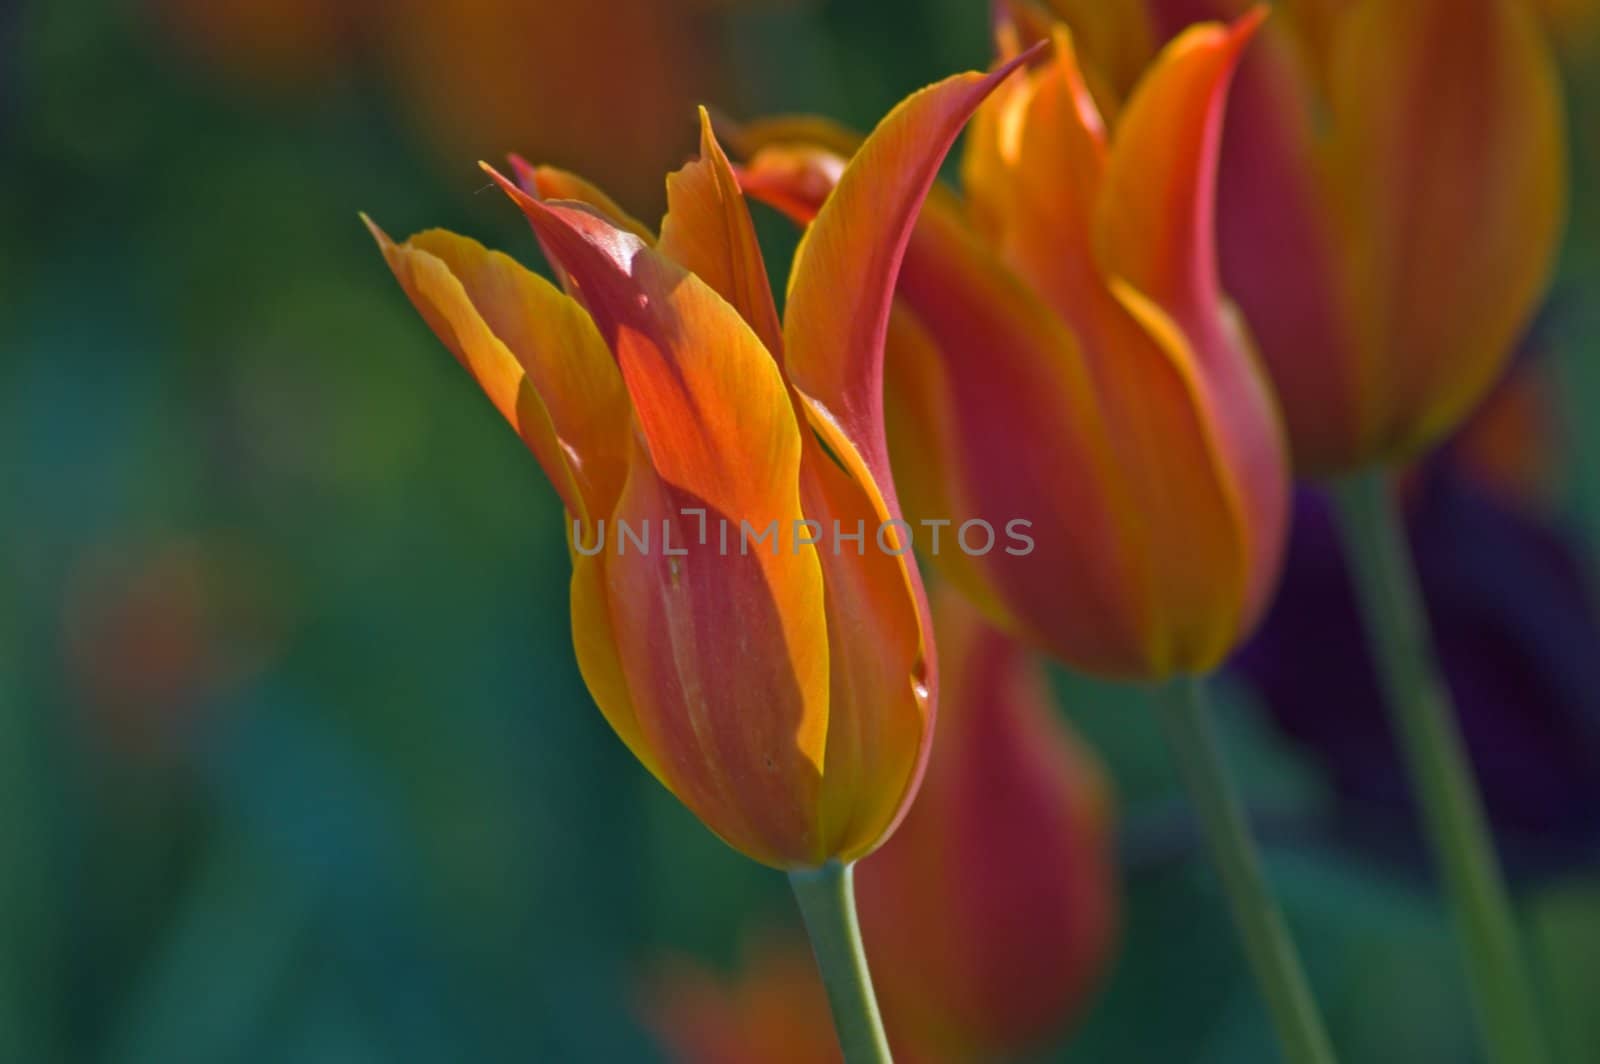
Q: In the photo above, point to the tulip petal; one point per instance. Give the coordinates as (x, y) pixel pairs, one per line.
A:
(534, 352)
(1448, 151)
(1002, 370)
(842, 284)
(1032, 171)
(881, 720)
(1156, 220)
(710, 634)
(1281, 250)
(1156, 237)
(708, 231)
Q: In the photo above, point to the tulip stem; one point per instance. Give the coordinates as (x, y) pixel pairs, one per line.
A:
(827, 898)
(1186, 718)
(1452, 812)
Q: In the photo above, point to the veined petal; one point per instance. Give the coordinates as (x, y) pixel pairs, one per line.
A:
(535, 353)
(726, 649)
(1449, 155)
(708, 231)
(725, 654)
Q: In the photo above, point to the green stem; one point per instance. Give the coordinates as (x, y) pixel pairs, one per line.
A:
(1452, 812)
(1186, 719)
(827, 900)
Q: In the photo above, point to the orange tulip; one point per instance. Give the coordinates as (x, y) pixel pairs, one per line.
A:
(768, 661)
(1391, 201)
(1063, 355)
(991, 914)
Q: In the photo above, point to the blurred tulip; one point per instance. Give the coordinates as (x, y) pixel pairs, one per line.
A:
(784, 692)
(608, 84)
(991, 913)
(152, 635)
(1062, 356)
(1391, 200)
(775, 1011)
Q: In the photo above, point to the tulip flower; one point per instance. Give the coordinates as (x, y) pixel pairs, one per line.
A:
(1391, 201)
(782, 689)
(1063, 355)
(991, 913)
(1392, 193)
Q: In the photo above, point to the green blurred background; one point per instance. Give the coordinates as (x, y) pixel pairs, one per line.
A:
(295, 764)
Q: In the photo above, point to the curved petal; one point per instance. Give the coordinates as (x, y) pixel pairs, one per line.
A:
(1155, 223)
(535, 353)
(708, 231)
(1281, 251)
(1032, 170)
(842, 284)
(880, 716)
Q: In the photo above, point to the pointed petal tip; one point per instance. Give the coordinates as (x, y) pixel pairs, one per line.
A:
(511, 188)
(372, 227)
(1036, 50)
(1248, 24)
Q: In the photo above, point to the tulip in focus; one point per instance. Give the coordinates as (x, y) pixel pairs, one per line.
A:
(1391, 201)
(783, 690)
(991, 913)
(1063, 353)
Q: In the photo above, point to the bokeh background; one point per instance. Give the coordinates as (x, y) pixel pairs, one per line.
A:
(295, 764)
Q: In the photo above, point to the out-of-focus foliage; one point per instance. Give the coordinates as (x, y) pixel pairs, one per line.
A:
(295, 764)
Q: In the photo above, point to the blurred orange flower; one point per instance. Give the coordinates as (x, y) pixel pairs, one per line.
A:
(774, 1011)
(783, 691)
